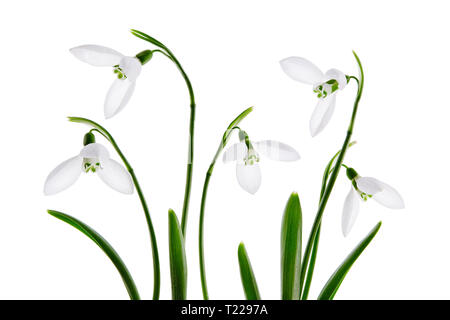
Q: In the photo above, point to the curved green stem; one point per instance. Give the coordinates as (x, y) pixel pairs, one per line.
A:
(108, 136)
(200, 232)
(166, 51)
(162, 52)
(329, 186)
(326, 174)
(225, 139)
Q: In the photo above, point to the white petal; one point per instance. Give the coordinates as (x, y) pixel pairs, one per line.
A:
(63, 176)
(249, 177)
(277, 150)
(301, 70)
(322, 114)
(237, 151)
(131, 67)
(95, 151)
(368, 185)
(339, 76)
(98, 56)
(350, 211)
(388, 197)
(118, 96)
(116, 176)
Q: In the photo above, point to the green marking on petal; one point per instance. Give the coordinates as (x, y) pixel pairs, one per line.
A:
(326, 88)
(118, 70)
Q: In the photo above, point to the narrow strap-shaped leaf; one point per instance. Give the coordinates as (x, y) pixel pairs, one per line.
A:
(178, 267)
(333, 284)
(291, 249)
(105, 246)
(247, 276)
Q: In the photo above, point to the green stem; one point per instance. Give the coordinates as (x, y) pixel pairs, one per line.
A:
(311, 266)
(108, 136)
(190, 163)
(202, 216)
(329, 186)
(326, 174)
(225, 139)
(187, 192)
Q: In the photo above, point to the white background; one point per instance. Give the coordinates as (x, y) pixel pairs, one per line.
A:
(230, 51)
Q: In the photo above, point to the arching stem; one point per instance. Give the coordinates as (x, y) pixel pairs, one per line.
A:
(156, 267)
(330, 184)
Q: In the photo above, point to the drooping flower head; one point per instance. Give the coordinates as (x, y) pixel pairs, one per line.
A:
(246, 153)
(127, 69)
(93, 158)
(363, 189)
(325, 86)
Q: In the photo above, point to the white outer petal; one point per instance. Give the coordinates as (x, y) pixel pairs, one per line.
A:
(276, 150)
(98, 56)
(350, 211)
(368, 185)
(95, 151)
(301, 70)
(389, 197)
(118, 96)
(116, 176)
(322, 114)
(249, 177)
(237, 151)
(339, 76)
(63, 176)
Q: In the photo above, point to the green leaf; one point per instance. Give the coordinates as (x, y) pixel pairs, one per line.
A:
(247, 276)
(291, 249)
(333, 284)
(105, 246)
(178, 266)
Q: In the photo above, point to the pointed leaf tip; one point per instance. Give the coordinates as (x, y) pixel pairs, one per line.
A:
(247, 276)
(291, 249)
(331, 287)
(178, 266)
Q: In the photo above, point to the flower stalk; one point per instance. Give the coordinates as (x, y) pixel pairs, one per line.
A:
(225, 138)
(330, 184)
(156, 267)
(166, 52)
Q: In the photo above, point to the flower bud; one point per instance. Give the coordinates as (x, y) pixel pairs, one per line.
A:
(144, 56)
(88, 138)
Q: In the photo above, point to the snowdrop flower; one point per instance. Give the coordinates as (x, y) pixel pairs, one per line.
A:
(127, 70)
(246, 154)
(362, 189)
(93, 158)
(325, 86)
